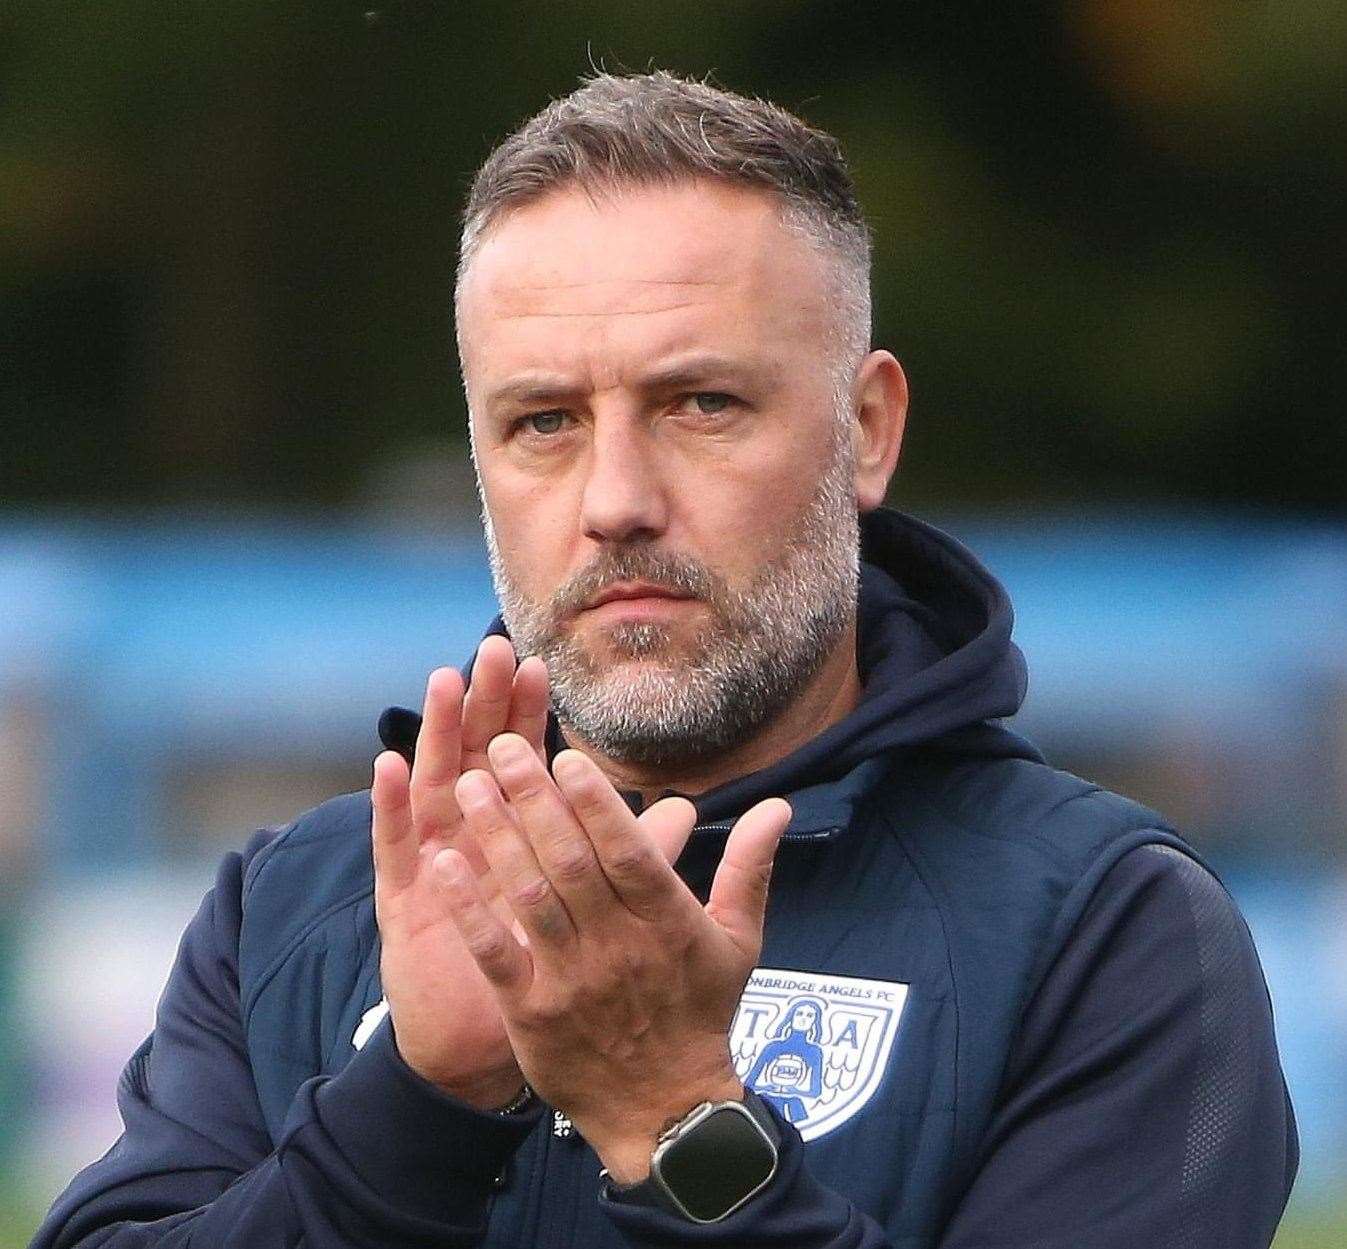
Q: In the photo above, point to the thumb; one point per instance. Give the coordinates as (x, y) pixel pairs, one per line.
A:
(738, 900)
(670, 822)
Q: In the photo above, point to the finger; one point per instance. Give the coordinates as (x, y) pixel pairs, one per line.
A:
(670, 822)
(437, 752)
(393, 833)
(438, 743)
(529, 701)
(486, 706)
(738, 901)
(630, 857)
(503, 961)
(562, 849)
(437, 767)
(521, 880)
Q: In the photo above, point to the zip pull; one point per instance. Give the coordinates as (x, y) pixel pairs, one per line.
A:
(563, 1128)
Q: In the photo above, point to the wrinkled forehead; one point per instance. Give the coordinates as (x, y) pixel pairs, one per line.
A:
(572, 258)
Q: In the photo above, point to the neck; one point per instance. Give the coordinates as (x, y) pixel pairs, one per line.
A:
(829, 695)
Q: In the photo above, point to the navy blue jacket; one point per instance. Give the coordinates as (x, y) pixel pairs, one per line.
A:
(996, 1007)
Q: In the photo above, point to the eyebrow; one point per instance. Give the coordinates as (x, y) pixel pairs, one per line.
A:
(695, 369)
(682, 371)
(532, 388)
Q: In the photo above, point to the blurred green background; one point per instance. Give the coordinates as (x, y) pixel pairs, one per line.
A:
(1108, 232)
(1108, 251)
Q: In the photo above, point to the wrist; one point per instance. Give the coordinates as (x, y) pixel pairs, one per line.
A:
(626, 1154)
(629, 1163)
(715, 1160)
(500, 1092)
(491, 1089)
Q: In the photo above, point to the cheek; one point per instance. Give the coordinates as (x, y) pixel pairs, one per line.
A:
(758, 496)
(743, 524)
(533, 528)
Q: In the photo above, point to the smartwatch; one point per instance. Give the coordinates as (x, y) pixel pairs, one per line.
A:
(711, 1162)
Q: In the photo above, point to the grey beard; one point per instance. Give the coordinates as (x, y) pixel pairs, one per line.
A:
(760, 648)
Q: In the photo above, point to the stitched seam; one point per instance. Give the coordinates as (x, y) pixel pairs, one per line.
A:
(295, 942)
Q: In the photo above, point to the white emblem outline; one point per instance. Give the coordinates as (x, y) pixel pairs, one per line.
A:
(820, 1082)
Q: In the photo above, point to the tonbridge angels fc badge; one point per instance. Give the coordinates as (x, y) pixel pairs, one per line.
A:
(816, 1046)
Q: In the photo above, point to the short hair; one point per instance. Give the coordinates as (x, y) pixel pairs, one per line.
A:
(659, 129)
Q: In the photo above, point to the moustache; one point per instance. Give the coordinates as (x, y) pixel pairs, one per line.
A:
(679, 574)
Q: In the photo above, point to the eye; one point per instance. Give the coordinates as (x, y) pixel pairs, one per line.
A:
(710, 402)
(544, 422)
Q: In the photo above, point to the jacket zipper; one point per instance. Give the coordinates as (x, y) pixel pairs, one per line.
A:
(724, 826)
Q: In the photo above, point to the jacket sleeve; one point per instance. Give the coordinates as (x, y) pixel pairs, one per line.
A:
(373, 1156)
(794, 1211)
(1143, 1103)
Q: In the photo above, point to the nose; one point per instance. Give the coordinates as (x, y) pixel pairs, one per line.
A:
(624, 493)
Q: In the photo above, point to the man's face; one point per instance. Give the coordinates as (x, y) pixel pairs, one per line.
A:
(671, 512)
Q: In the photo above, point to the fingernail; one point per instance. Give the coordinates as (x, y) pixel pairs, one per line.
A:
(473, 787)
(568, 763)
(506, 748)
(451, 867)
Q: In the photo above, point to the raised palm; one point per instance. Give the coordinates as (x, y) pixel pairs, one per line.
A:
(447, 1022)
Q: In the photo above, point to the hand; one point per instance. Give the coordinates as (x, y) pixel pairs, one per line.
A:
(619, 997)
(445, 1017)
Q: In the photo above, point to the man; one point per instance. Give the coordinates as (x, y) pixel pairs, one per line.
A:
(985, 1003)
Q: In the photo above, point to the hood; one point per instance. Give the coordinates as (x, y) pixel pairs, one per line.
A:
(937, 668)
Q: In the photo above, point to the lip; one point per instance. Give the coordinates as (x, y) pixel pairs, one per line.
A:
(637, 603)
(635, 591)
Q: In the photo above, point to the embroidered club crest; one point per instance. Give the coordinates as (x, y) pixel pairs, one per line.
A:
(816, 1046)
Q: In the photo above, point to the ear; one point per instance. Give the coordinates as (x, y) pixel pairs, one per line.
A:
(880, 417)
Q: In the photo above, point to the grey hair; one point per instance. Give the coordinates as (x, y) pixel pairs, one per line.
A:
(659, 129)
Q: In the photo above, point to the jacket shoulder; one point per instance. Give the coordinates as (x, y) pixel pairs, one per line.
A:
(317, 865)
(1015, 842)
(334, 832)
(1019, 805)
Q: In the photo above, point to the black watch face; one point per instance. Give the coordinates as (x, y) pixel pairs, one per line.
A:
(722, 1162)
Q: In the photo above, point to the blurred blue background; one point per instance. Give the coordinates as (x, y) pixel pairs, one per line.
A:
(236, 518)
(167, 685)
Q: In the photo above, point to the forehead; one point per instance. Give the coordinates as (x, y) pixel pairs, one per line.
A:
(655, 265)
